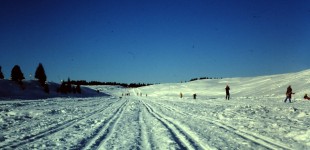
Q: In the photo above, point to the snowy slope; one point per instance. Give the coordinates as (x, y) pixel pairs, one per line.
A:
(33, 90)
(255, 117)
(272, 85)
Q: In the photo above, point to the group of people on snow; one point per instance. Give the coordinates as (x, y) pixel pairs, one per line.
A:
(289, 93)
(194, 95)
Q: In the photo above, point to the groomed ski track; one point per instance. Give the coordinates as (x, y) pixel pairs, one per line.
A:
(135, 122)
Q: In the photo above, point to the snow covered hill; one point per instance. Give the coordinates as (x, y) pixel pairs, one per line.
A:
(255, 118)
(32, 90)
(262, 86)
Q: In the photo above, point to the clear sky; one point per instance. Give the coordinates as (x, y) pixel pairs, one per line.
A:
(154, 41)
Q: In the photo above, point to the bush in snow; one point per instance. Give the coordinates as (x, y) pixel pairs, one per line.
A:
(1, 74)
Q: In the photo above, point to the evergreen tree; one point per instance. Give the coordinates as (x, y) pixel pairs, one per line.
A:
(78, 89)
(74, 90)
(1, 74)
(16, 74)
(69, 86)
(40, 74)
(63, 88)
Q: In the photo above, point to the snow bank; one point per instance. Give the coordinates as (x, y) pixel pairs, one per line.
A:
(32, 90)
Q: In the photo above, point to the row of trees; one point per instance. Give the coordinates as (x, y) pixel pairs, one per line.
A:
(69, 87)
(131, 85)
(18, 76)
(202, 78)
(65, 88)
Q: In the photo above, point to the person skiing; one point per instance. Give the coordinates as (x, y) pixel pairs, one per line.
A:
(289, 93)
(227, 92)
(306, 97)
(194, 96)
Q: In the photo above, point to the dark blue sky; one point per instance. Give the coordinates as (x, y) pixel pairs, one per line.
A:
(154, 41)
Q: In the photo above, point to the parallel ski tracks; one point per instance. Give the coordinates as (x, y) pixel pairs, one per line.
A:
(52, 130)
(180, 133)
(103, 132)
(144, 137)
(254, 137)
(183, 138)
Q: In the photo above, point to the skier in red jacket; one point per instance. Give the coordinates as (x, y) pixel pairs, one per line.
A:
(306, 97)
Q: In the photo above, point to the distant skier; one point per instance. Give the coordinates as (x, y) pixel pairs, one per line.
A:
(194, 96)
(181, 95)
(289, 93)
(227, 92)
(306, 97)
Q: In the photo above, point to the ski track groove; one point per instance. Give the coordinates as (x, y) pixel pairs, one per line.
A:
(258, 139)
(146, 138)
(52, 130)
(140, 139)
(181, 137)
(103, 132)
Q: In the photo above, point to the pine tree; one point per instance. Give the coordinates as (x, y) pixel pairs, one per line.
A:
(40, 74)
(69, 86)
(16, 74)
(1, 74)
(63, 88)
(78, 89)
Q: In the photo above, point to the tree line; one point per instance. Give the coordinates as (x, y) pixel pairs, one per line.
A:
(18, 76)
(84, 82)
(202, 78)
(69, 86)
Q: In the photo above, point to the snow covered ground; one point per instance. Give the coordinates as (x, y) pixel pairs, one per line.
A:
(254, 118)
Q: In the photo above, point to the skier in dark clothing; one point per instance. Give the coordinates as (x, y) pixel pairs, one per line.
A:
(227, 92)
(289, 93)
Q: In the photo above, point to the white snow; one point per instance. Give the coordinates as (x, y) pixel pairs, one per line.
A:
(255, 118)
